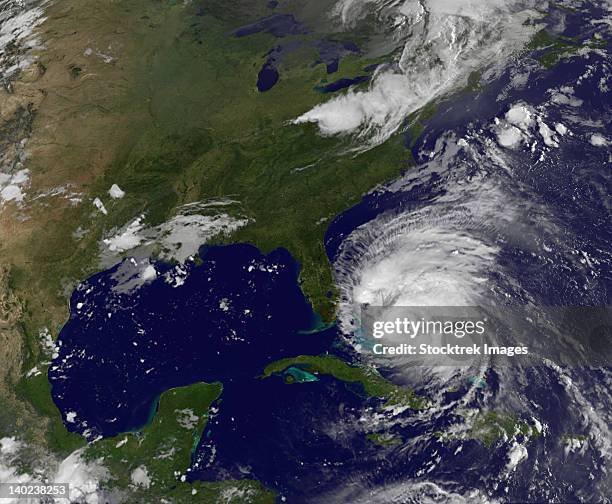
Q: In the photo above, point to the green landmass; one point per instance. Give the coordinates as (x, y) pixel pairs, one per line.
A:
(490, 426)
(552, 49)
(38, 390)
(597, 42)
(373, 383)
(383, 440)
(179, 120)
(161, 452)
(568, 438)
(417, 120)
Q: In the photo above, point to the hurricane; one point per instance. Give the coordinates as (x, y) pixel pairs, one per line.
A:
(481, 223)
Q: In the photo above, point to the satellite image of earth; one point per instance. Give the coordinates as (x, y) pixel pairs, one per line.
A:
(202, 201)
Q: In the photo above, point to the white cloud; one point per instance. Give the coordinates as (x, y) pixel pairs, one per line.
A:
(12, 186)
(140, 477)
(520, 124)
(179, 237)
(127, 239)
(8, 446)
(116, 192)
(187, 418)
(406, 491)
(18, 23)
(100, 206)
(516, 455)
(231, 494)
(441, 49)
(183, 235)
(426, 266)
(598, 140)
(12, 193)
(149, 273)
(565, 96)
(84, 477)
(520, 115)
(509, 136)
(547, 134)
